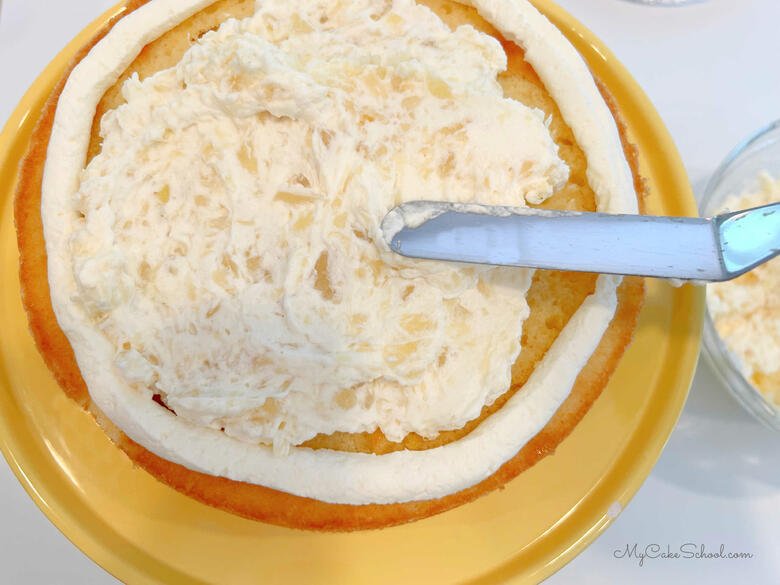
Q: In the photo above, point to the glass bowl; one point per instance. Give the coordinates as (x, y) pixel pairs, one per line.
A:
(740, 169)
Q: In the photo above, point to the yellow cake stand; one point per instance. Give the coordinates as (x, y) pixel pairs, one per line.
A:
(144, 532)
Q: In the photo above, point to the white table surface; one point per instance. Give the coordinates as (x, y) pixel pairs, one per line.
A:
(712, 71)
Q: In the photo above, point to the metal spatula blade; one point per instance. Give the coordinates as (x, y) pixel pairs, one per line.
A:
(684, 248)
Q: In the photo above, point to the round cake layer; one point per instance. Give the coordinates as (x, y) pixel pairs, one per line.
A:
(604, 286)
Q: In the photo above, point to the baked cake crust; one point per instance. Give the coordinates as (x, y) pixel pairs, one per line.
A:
(553, 297)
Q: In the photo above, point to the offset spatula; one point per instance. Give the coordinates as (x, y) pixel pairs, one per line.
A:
(683, 248)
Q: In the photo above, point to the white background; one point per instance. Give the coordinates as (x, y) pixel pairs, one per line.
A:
(712, 71)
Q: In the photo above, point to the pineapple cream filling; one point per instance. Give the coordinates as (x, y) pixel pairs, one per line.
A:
(223, 251)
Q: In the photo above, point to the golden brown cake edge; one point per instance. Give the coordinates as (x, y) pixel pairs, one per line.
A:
(259, 502)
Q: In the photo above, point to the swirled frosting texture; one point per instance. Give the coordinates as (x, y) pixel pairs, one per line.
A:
(230, 249)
